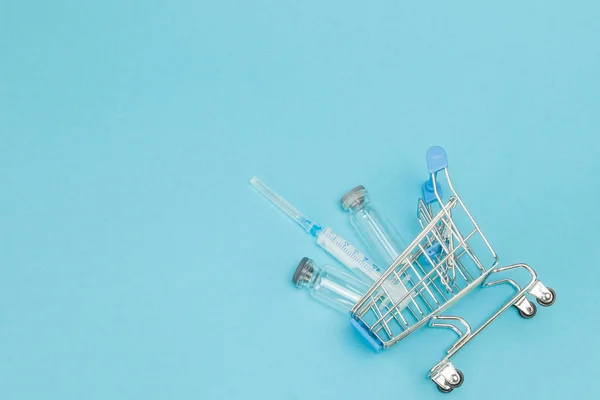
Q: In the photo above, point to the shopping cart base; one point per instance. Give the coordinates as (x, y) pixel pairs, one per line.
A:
(444, 375)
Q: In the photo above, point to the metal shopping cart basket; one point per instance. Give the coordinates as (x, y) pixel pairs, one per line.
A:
(447, 259)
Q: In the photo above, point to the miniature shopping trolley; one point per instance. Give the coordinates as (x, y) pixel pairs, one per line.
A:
(447, 259)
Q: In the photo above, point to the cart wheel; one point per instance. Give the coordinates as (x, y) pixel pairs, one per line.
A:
(550, 302)
(461, 379)
(441, 389)
(531, 315)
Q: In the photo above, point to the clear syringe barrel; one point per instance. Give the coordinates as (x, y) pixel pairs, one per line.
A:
(348, 255)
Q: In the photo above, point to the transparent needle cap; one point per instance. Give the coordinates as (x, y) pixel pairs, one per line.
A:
(285, 206)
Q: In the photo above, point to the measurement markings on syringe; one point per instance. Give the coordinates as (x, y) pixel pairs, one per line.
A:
(351, 251)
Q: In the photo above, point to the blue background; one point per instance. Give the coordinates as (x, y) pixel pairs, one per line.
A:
(137, 263)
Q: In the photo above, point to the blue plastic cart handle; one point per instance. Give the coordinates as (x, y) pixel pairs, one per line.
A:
(436, 159)
(373, 341)
(429, 193)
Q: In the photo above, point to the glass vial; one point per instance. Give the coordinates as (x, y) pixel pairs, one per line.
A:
(383, 242)
(329, 284)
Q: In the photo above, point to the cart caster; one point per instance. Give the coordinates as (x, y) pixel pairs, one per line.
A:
(550, 301)
(459, 379)
(443, 390)
(545, 296)
(526, 308)
(530, 313)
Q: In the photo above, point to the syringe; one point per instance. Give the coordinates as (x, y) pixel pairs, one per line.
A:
(334, 244)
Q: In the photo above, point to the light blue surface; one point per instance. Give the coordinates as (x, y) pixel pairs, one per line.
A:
(136, 262)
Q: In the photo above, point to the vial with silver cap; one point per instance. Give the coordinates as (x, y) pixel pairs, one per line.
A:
(329, 284)
(383, 242)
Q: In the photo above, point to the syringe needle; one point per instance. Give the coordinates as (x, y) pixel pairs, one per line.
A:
(285, 206)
